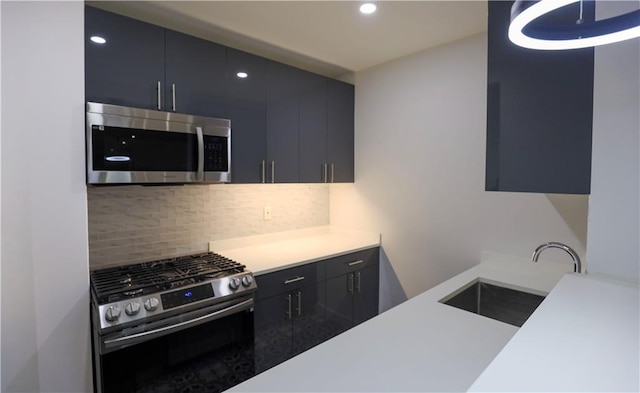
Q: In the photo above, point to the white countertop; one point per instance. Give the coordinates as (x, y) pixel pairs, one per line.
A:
(420, 345)
(584, 337)
(267, 253)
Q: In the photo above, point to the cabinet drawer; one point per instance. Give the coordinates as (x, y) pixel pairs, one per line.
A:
(355, 261)
(285, 280)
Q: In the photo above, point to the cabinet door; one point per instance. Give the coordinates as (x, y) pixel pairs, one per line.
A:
(539, 111)
(273, 331)
(313, 128)
(198, 69)
(339, 317)
(126, 69)
(248, 114)
(366, 289)
(340, 118)
(309, 318)
(282, 122)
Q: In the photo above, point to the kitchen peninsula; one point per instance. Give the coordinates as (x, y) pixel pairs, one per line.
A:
(424, 345)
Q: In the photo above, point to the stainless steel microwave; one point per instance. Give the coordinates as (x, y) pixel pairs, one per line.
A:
(141, 146)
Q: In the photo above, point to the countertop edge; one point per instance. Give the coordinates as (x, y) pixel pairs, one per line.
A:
(265, 254)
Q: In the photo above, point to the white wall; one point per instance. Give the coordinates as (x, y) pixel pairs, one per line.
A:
(45, 297)
(420, 159)
(614, 204)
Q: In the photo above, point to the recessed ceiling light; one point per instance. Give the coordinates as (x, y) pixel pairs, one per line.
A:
(242, 75)
(368, 8)
(98, 40)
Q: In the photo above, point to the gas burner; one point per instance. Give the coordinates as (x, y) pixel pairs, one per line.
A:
(134, 292)
(114, 284)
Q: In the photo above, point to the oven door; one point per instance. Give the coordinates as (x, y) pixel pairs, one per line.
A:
(136, 146)
(209, 349)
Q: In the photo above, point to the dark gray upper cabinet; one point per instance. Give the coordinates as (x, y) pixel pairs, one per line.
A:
(127, 68)
(340, 117)
(248, 114)
(313, 129)
(288, 125)
(196, 76)
(282, 122)
(146, 66)
(539, 111)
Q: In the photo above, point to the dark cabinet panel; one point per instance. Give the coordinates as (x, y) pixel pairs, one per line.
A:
(297, 309)
(287, 323)
(339, 304)
(352, 296)
(287, 280)
(248, 114)
(313, 129)
(196, 76)
(539, 111)
(309, 317)
(340, 117)
(366, 292)
(273, 333)
(126, 69)
(351, 262)
(282, 122)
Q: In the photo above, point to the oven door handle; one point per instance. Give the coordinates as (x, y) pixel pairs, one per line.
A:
(200, 172)
(144, 336)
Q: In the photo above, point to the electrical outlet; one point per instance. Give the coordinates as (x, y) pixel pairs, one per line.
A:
(267, 213)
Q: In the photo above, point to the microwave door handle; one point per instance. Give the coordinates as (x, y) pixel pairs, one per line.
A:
(200, 173)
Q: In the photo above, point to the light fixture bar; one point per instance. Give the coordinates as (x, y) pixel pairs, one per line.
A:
(524, 32)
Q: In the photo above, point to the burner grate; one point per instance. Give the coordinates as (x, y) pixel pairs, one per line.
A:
(116, 283)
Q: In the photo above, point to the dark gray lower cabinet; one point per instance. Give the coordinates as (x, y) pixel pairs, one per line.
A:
(352, 294)
(297, 309)
(289, 314)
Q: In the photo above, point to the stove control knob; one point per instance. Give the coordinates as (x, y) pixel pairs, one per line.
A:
(132, 308)
(151, 304)
(247, 280)
(234, 283)
(112, 313)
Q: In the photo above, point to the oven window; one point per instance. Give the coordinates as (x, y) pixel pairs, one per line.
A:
(211, 357)
(130, 149)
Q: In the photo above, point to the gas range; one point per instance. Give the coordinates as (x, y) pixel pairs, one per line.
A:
(157, 321)
(137, 294)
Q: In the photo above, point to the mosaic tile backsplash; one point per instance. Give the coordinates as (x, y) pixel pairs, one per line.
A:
(133, 224)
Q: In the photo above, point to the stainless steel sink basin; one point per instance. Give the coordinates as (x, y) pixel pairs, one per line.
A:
(494, 301)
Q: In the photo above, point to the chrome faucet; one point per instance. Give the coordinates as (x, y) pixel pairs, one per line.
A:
(577, 266)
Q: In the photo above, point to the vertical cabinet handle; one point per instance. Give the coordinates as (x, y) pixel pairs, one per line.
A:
(273, 171)
(299, 309)
(332, 171)
(325, 178)
(358, 282)
(350, 283)
(200, 137)
(159, 97)
(289, 306)
(173, 97)
(264, 171)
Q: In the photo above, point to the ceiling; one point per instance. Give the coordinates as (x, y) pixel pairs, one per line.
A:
(327, 37)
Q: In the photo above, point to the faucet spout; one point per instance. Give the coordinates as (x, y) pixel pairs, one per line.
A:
(577, 265)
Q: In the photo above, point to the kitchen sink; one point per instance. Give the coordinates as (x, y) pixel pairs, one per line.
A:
(494, 301)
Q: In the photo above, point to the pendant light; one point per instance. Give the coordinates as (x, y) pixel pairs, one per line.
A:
(525, 32)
